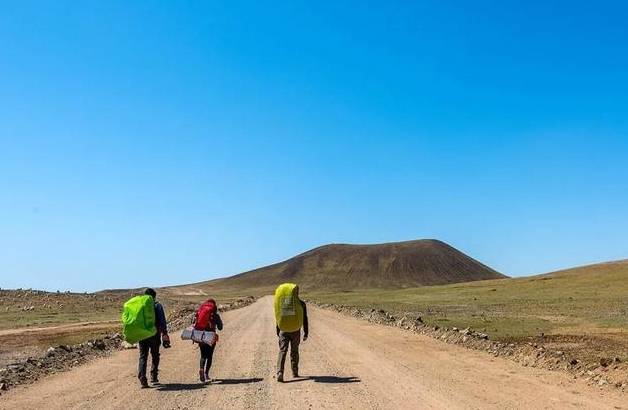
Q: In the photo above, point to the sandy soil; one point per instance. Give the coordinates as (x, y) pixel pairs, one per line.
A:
(345, 364)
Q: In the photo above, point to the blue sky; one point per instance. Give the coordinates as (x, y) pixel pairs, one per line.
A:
(148, 143)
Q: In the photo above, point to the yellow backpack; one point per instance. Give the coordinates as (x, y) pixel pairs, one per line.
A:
(288, 309)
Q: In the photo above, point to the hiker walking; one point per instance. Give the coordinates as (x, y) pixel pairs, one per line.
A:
(152, 344)
(290, 316)
(207, 319)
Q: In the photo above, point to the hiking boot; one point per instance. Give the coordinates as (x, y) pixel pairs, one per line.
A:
(280, 378)
(201, 376)
(154, 380)
(143, 382)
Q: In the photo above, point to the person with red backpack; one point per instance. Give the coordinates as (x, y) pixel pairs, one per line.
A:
(207, 319)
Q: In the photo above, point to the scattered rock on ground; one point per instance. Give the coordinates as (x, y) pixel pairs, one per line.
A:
(64, 357)
(528, 354)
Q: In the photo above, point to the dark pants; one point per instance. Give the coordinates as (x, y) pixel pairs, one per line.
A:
(151, 344)
(207, 353)
(292, 339)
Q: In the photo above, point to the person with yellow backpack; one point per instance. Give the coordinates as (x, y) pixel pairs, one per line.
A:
(290, 317)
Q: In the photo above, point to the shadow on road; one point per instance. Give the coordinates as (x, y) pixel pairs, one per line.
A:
(237, 381)
(326, 379)
(179, 386)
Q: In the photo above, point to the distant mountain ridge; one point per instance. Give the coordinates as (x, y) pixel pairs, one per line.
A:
(385, 266)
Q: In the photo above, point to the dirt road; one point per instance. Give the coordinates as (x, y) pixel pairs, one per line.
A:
(346, 364)
(61, 328)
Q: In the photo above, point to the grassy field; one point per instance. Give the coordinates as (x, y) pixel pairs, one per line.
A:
(31, 321)
(31, 308)
(573, 306)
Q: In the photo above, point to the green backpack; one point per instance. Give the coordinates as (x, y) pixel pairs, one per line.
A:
(138, 318)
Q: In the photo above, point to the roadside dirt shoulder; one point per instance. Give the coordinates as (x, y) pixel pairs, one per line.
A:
(609, 372)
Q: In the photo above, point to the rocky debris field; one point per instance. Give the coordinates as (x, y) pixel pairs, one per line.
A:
(27, 300)
(181, 318)
(605, 373)
(64, 357)
(57, 359)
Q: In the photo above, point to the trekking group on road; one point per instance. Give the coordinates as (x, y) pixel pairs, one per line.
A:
(144, 322)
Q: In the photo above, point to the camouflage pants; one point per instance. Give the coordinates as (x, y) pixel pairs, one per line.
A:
(291, 339)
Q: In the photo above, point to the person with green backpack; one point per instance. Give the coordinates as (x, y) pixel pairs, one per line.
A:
(144, 322)
(290, 317)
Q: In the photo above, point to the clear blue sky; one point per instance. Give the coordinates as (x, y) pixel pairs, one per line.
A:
(145, 143)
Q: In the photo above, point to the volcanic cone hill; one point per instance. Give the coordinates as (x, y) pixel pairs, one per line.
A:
(386, 266)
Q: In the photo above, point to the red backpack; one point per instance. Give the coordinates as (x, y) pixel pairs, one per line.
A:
(205, 316)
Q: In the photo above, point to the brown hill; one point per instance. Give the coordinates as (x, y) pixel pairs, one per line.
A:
(386, 266)
(597, 271)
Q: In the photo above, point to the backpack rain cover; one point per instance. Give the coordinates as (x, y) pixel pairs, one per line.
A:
(138, 318)
(288, 309)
